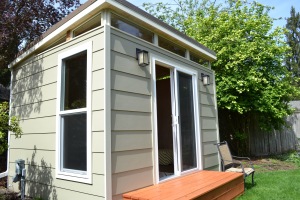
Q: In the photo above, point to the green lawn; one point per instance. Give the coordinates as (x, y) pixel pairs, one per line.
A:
(273, 185)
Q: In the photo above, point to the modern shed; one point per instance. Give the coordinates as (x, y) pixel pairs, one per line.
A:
(96, 123)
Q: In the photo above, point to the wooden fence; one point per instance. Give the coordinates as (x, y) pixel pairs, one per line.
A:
(277, 142)
(264, 143)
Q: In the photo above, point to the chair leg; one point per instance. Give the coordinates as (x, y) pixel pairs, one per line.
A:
(253, 179)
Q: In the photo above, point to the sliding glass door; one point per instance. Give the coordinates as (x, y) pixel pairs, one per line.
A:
(176, 130)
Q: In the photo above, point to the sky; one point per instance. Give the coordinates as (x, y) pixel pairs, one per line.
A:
(282, 8)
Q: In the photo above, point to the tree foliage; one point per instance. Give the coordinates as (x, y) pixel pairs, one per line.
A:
(293, 40)
(251, 77)
(7, 124)
(22, 21)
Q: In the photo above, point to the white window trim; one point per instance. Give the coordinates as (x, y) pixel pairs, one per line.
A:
(73, 175)
(177, 67)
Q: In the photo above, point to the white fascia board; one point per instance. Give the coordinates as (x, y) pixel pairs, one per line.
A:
(61, 29)
(163, 29)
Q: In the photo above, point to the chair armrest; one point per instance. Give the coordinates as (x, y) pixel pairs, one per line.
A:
(244, 158)
(241, 158)
(234, 163)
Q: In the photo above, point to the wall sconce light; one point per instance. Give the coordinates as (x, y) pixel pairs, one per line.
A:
(143, 57)
(205, 79)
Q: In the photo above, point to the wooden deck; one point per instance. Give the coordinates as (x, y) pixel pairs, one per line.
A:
(200, 185)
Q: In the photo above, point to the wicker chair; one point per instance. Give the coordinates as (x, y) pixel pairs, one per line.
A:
(232, 164)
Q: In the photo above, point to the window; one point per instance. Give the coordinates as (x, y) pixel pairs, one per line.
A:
(131, 28)
(73, 114)
(170, 46)
(197, 59)
(89, 25)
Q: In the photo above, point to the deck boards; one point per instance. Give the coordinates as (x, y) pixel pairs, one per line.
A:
(199, 185)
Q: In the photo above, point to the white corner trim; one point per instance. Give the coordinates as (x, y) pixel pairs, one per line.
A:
(107, 105)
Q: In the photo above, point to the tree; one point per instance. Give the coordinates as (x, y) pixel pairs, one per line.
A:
(293, 40)
(252, 82)
(6, 126)
(22, 21)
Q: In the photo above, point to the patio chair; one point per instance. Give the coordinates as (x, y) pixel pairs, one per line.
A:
(232, 164)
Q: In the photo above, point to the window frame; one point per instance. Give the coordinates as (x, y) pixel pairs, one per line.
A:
(63, 173)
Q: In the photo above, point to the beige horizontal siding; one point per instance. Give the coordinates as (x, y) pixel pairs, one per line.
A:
(209, 148)
(48, 178)
(207, 99)
(131, 160)
(35, 95)
(208, 89)
(124, 63)
(209, 135)
(208, 111)
(131, 180)
(33, 155)
(98, 80)
(131, 140)
(39, 125)
(98, 142)
(35, 110)
(35, 65)
(121, 44)
(36, 80)
(122, 121)
(130, 101)
(35, 141)
(130, 83)
(98, 120)
(98, 58)
(52, 192)
(208, 123)
(210, 160)
(98, 100)
(98, 163)
(33, 163)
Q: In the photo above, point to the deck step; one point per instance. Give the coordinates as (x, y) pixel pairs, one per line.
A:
(201, 185)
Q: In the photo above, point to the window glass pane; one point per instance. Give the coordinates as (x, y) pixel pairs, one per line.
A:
(74, 142)
(74, 91)
(187, 121)
(131, 28)
(89, 25)
(197, 59)
(170, 46)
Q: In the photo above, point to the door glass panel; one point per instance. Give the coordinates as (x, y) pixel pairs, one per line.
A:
(164, 123)
(186, 121)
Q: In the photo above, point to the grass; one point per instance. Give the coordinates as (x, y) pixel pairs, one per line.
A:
(275, 178)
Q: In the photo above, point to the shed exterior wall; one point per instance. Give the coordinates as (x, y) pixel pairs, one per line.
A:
(132, 114)
(34, 100)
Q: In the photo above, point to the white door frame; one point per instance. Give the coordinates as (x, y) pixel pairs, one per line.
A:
(174, 67)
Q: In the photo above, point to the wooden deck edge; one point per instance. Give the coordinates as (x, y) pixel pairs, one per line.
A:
(225, 191)
(228, 186)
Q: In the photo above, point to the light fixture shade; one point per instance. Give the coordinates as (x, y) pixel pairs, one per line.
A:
(142, 57)
(205, 79)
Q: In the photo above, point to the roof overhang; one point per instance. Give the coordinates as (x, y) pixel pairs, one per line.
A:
(90, 8)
